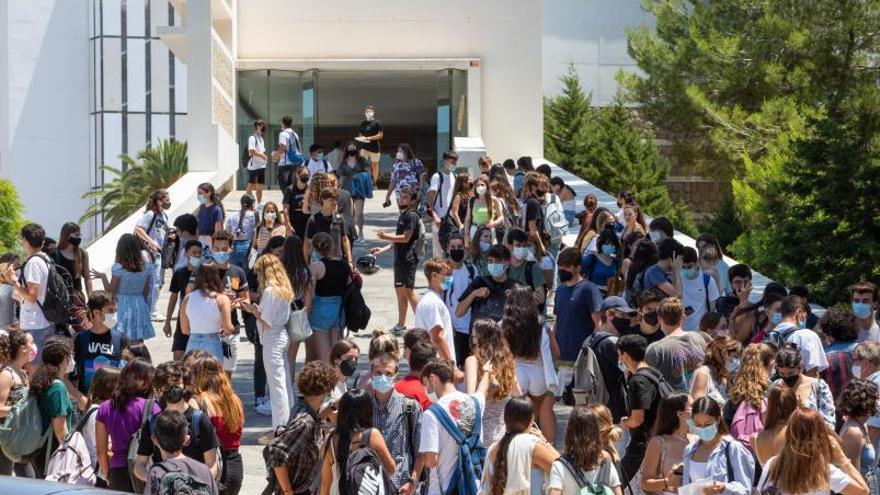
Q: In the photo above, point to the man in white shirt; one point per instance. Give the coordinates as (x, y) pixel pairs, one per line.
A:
(438, 451)
(864, 306)
(286, 139)
(256, 165)
(432, 313)
(463, 274)
(793, 329)
(440, 197)
(698, 291)
(30, 289)
(317, 163)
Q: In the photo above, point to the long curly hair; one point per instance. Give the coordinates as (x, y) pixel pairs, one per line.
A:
(718, 352)
(520, 323)
(488, 345)
(802, 465)
(581, 447)
(55, 350)
(212, 383)
(319, 182)
(519, 412)
(272, 275)
(751, 382)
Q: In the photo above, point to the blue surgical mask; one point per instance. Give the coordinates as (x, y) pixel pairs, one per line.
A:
(608, 249)
(221, 257)
(689, 273)
(447, 283)
(320, 157)
(732, 365)
(195, 261)
(201, 198)
(484, 246)
(621, 366)
(776, 319)
(383, 384)
(520, 252)
(861, 310)
(706, 433)
(802, 324)
(496, 270)
(655, 236)
(122, 363)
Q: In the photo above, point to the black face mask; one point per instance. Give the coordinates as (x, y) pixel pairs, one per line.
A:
(565, 276)
(456, 255)
(75, 241)
(166, 205)
(304, 178)
(173, 395)
(351, 152)
(348, 366)
(791, 381)
(620, 324)
(650, 318)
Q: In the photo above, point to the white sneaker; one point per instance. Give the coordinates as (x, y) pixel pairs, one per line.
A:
(158, 317)
(263, 408)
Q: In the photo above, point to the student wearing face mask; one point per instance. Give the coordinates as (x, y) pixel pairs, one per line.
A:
(371, 132)
(101, 346)
(257, 159)
(577, 309)
(524, 268)
(615, 317)
(793, 329)
(716, 456)
(178, 289)
(486, 296)
(478, 247)
(172, 382)
(648, 322)
(714, 378)
(463, 274)
(295, 203)
(344, 357)
(601, 266)
(864, 306)
(14, 382)
(678, 352)
(407, 172)
(354, 177)
(10, 264)
(50, 386)
(698, 291)
(813, 393)
(440, 194)
(839, 326)
(317, 162)
(74, 259)
(431, 311)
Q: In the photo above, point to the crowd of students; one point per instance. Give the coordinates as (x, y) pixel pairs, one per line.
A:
(676, 377)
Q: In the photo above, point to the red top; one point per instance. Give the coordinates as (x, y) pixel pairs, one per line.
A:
(410, 386)
(228, 440)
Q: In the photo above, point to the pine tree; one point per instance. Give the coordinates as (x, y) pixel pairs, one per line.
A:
(565, 117)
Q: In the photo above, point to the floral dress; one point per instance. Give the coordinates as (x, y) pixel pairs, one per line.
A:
(407, 174)
(133, 309)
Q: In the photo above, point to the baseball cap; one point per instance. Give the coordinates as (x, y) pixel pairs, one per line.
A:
(618, 303)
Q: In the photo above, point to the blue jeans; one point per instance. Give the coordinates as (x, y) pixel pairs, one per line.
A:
(156, 281)
(208, 342)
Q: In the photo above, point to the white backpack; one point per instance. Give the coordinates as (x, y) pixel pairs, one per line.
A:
(555, 224)
(71, 462)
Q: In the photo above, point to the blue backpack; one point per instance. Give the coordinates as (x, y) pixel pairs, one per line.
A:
(471, 452)
(294, 154)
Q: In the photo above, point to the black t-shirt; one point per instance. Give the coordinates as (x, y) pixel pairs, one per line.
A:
(604, 345)
(404, 252)
(205, 441)
(179, 280)
(650, 337)
(371, 128)
(294, 197)
(234, 271)
(534, 212)
(92, 351)
(642, 394)
(333, 225)
(492, 305)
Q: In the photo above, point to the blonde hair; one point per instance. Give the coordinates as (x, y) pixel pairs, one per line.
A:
(272, 275)
(4, 268)
(802, 465)
(492, 346)
(212, 383)
(608, 433)
(751, 383)
(383, 342)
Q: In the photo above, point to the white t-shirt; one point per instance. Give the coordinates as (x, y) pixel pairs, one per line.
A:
(837, 479)
(35, 271)
(810, 345)
(562, 479)
(318, 166)
(256, 144)
(287, 138)
(157, 231)
(444, 197)
(432, 311)
(435, 439)
(461, 279)
(694, 295)
(871, 334)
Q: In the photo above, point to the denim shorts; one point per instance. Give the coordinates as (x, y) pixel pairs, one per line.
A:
(208, 342)
(326, 313)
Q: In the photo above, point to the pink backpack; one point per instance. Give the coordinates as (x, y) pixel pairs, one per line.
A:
(746, 421)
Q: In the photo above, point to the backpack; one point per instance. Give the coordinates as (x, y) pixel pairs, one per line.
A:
(357, 313)
(587, 384)
(293, 153)
(22, 431)
(586, 487)
(409, 412)
(491, 307)
(176, 482)
(555, 224)
(471, 452)
(133, 444)
(71, 462)
(363, 469)
(659, 381)
(746, 420)
(57, 304)
(419, 244)
(778, 337)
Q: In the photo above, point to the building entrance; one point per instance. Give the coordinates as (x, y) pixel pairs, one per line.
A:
(424, 108)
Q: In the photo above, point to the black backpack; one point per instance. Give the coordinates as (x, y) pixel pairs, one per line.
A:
(659, 381)
(492, 306)
(58, 303)
(363, 469)
(357, 313)
(176, 482)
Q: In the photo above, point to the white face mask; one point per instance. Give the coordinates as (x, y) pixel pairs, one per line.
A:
(400, 156)
(481, 190)
(369, 115)
(109, 320)
(71, 365)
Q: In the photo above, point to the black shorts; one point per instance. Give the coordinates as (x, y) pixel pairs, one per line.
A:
(405, 275)
(257, 176)
(180, 340)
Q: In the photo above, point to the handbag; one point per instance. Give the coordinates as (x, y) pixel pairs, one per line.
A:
(298, 327)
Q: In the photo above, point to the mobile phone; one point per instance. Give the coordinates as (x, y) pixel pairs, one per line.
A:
(679, 470)
(688, 310)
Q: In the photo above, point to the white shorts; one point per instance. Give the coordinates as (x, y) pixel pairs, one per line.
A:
(229, 363)
(530, 375)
